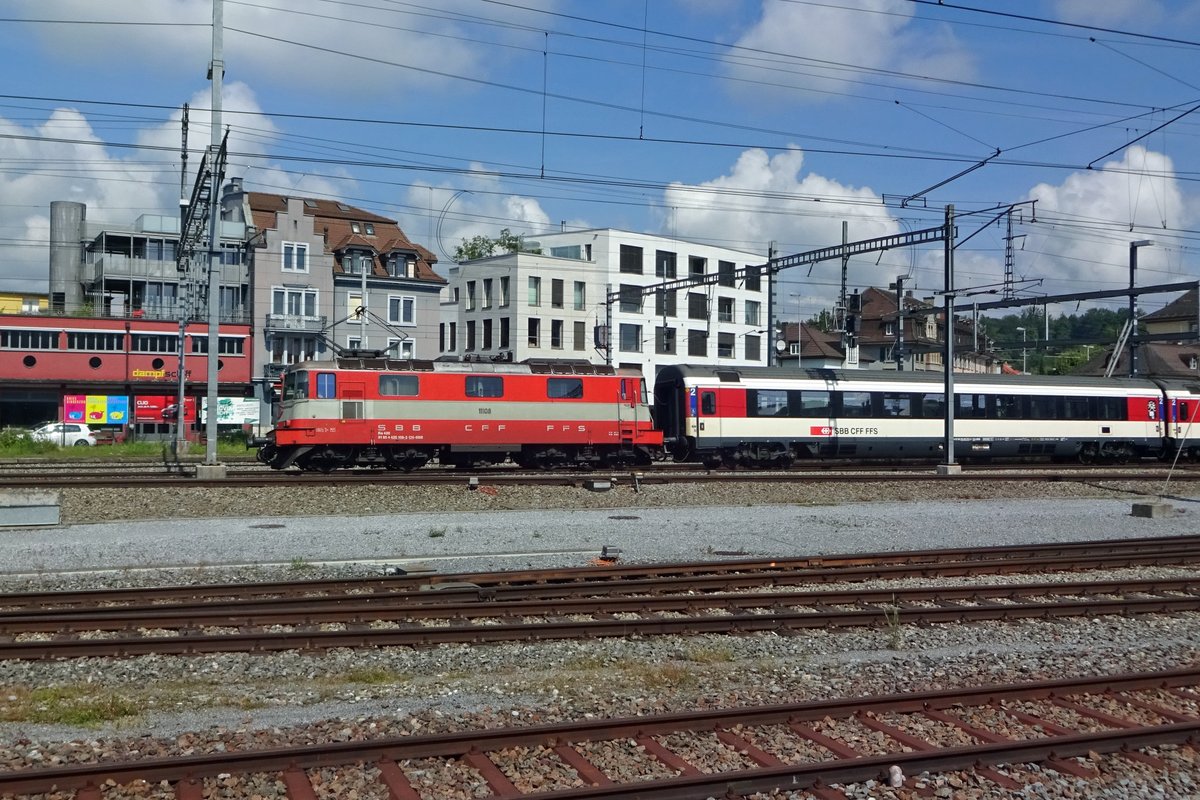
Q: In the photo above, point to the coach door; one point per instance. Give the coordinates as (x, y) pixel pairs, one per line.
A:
(708, 422)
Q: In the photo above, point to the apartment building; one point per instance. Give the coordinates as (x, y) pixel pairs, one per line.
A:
(594, 295)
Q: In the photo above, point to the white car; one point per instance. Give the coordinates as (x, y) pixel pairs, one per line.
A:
(69, 434)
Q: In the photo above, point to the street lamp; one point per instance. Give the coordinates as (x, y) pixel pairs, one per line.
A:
(1133, 248)
(1022, 330)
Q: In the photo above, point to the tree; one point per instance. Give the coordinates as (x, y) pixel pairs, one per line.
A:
(483, 246)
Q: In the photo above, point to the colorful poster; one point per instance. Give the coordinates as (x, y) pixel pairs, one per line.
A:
(97, 409)
(118, 410)
(74, 407)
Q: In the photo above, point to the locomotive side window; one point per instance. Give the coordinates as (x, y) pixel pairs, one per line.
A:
(559, 388)
(326, 385)
(399, 385)
(485, 386)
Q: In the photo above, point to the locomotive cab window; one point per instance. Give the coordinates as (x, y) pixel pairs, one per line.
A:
(326, 385)
(399, 385)
(485, 386)
(295, 386)
(564, 388)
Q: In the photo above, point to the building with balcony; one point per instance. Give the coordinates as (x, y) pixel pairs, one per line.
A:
(554, 303)
(297, 276)
(328, 275)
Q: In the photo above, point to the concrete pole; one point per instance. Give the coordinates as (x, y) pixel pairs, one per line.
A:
(216, 71)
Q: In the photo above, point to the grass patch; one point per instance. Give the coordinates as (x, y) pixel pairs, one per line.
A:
(437, 533)
(66, 705)
(300, 565)
(372, 676)
(708, 654)
(15, 443)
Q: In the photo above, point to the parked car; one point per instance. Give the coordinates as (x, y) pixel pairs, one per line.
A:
(70, 434)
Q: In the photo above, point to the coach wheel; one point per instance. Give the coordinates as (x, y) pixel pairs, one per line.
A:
(1087, 454)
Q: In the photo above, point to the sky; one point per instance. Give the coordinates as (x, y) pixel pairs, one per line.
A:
(760, 125)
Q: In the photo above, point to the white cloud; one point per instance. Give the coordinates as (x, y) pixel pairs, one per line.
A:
(1088, 220)
(833, 45)
(767, 199)
(346, 48)
(484, 208)
(67, 158)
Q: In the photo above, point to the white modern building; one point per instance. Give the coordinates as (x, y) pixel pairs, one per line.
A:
(554, 303)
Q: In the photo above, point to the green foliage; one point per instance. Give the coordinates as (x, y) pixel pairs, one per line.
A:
(15, 443)
(822, 321)
(1075, 338)
(483, 246)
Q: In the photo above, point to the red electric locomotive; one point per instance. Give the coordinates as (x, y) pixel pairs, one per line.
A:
(378, 412)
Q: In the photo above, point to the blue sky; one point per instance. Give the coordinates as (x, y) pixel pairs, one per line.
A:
(736, 122)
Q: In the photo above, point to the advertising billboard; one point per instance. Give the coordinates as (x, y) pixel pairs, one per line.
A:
(161, 408)
(96, 409)
(234, 410)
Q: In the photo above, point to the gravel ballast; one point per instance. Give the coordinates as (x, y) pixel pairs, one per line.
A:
(176, 705)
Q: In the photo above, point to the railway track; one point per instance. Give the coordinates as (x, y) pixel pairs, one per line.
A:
(249, 475)
(614, 578)
(680, 599)
(818, 747)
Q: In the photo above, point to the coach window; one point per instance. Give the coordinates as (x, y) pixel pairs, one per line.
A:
(933, 406)
(1075, 408)
(1007, 406)
(897, 405)
(485, 386)
(970, 406)
(767, 403)
(808, 403)
(1044, 407)
(856, 404)
(559, 388)
(708, 402)
(399, 385)
(1108, 408)
(326, 385)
